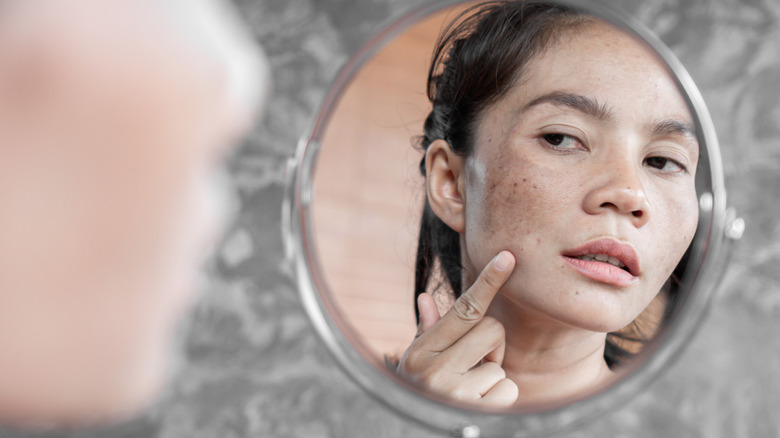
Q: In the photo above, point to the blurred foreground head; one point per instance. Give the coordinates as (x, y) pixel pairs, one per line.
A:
(114, 115)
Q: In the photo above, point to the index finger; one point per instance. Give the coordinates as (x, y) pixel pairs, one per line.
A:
(471, 307)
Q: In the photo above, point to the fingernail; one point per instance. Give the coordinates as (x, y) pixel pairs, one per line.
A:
(502, 261)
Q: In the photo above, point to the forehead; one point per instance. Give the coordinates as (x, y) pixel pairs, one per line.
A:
(608, 66)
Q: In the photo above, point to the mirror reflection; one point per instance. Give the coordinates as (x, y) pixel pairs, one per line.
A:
(510, 232)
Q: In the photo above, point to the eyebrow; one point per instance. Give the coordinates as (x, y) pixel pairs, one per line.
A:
(583, 104)
(667, 127)
(600, 111)
(672, 127)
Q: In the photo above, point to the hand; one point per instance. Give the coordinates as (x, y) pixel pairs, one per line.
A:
(460, 354)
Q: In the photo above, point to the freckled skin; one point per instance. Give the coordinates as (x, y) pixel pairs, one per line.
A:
(538, 202)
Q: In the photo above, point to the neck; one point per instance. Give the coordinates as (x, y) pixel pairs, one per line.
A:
(548, 360)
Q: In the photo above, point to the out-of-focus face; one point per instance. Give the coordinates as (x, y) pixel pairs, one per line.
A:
(113, 118)
(591, 155)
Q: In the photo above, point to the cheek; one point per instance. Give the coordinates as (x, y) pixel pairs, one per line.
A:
(675, 229)
(674, 225)
(513, 207)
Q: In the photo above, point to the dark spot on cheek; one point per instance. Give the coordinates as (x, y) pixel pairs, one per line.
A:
(535, 186)
(576, 292)
(524, 180)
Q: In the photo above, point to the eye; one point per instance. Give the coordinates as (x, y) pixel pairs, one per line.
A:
(666, 165)
(561, 141)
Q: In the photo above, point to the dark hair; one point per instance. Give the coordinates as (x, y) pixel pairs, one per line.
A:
(479, 56)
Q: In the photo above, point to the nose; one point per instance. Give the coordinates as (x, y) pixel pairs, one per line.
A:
(620, 192)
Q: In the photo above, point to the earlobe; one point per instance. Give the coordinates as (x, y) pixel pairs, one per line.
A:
(444, 169)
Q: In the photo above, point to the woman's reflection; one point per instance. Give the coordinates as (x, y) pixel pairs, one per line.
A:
(564, 146)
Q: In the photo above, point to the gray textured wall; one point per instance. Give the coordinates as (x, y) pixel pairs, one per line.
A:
(254, 368)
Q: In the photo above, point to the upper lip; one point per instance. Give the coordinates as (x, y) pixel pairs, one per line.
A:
(621, 251)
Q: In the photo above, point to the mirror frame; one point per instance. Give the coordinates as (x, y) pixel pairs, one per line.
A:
(705, 266)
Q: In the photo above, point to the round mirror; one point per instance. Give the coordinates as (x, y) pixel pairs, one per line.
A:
(591, 157)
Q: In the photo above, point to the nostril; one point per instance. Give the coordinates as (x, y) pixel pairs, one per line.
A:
(637, 213)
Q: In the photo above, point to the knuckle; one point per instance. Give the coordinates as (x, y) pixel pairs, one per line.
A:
(411, 361)
(496, 369)
(418, 365)
(466, 309)
(431, 378)
(459, 393)
(510, 387)
(493, 330)
(504, 392)
(493, 326)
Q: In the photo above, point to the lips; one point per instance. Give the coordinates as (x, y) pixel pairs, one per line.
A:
(605, 260)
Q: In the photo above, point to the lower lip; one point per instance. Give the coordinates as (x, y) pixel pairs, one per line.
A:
(601, 271)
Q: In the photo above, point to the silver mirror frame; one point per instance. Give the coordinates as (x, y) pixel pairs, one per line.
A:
(706, 265)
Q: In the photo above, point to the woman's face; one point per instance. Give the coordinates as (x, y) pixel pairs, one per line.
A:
(593, 152)
(113, 118)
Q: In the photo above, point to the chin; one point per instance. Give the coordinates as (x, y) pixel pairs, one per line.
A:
(595, 310)
(602, 325)
(601, 318)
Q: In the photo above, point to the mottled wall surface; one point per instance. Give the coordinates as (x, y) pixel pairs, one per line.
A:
(253, 367)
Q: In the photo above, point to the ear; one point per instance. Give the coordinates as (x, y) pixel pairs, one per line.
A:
(445, 185)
